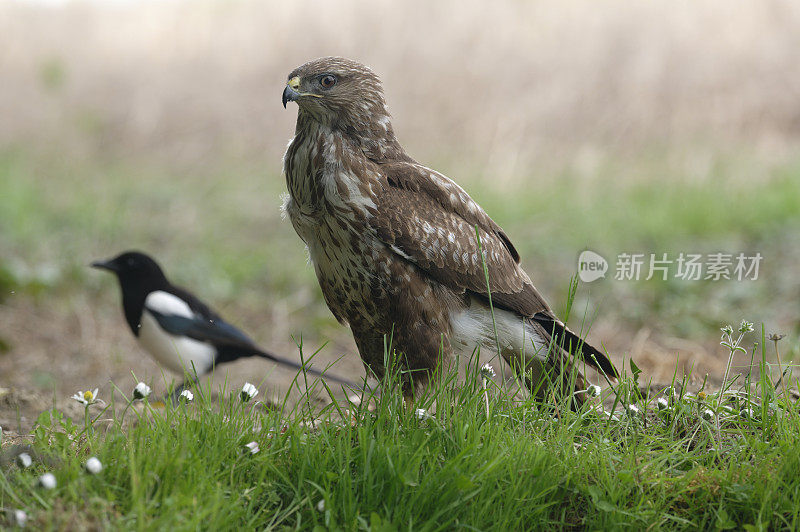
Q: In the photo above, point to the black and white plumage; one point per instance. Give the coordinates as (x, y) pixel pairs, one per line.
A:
(178, 330)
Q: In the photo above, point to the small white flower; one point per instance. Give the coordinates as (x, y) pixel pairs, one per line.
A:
(252, 447)
(93, 465)
(421, 413)
(187, 395)
(708, 414)
(594, 391)
(662, 403)
(141, 391)
(726, 331)
(321, 505)
(745, 327)
(24, 460)
(89, 397)
(487, 371)
(632, 410)
(20, 518)
(47, 481)
(248, 392)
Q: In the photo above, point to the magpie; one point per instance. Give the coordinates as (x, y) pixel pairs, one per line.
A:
(175, 327)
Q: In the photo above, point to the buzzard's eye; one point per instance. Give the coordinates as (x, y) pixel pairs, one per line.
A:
(327, 81)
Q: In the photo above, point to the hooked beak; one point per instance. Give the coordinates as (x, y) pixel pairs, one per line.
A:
(290, 93)
(104, 265)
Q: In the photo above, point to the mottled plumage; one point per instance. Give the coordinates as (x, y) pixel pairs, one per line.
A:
(394, 245)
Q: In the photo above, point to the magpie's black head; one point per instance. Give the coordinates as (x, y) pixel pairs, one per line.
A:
(138, 276)
(136, 271)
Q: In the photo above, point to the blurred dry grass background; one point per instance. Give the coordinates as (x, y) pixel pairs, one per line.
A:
(158, 125)
(506, 87)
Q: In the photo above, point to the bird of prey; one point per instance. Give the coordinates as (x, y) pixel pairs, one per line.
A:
(395, 245)
(180, 332)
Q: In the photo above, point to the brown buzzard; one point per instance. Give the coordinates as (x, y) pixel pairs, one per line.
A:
(394, 245)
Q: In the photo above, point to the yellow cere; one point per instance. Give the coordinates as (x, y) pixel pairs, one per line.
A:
(294, 83)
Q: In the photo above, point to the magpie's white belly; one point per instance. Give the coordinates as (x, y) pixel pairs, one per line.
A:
(176, 353)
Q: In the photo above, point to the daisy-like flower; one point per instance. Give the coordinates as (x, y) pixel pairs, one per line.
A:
(20, 518)
(421, 413)
(93, 465)
(47, 481)
(702, 396)
(632, 410)
(662, 403)
(252, 447)
(89, 397)
(487, 371)
(141, 391)
(594, 391)
(248, 392)
(187, 396)
(24, 460)
(708, 414)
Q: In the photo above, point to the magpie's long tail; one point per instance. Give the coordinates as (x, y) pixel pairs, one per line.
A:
(574, 344)
(292, 364)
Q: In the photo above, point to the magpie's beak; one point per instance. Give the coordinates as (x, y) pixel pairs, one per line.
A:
(289, 95)
(104, 265)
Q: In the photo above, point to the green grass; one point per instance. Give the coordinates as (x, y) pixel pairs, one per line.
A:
(218, 225)
(523, 466)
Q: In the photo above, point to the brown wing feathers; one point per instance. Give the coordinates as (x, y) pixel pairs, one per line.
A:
(443, 243)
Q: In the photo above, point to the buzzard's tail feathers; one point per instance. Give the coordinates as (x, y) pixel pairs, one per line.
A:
(593, 356)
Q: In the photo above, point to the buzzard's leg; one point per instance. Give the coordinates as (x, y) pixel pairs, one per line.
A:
(426, 356)
(409, 356)
(409, 331)
(553, 377)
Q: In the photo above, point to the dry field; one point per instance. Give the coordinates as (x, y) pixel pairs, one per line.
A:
(519, 85)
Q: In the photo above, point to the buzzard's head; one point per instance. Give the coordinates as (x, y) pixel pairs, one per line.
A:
(340, 93)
